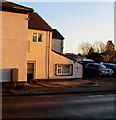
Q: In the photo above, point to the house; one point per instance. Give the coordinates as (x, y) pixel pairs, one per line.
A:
(45, 58)
(14, 27)
(39, 36)
(28, 50)
(57, 41)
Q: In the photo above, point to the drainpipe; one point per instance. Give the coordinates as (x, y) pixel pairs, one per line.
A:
(48, 54)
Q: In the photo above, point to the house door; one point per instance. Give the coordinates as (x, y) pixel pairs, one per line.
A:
(30, 71)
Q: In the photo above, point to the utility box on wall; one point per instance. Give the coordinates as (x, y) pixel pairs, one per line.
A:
(5, 75)
(14, 75)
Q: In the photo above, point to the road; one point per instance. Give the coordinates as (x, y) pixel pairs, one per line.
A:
(59, 106)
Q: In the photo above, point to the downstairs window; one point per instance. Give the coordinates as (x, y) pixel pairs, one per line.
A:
(64, 69)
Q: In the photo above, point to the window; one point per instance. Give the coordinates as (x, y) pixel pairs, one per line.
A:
(37, 37)
(64, 69)
(30, 68)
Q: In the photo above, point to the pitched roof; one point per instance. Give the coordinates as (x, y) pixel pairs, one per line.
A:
(71, 56)
(13, 7)
(57, 35)
(37, 22)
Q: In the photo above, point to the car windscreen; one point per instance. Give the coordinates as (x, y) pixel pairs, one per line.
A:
(114, 67)
(100, 66)
(111, 66)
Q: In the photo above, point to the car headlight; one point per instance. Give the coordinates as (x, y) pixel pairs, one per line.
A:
(111, 71)
(103, 71)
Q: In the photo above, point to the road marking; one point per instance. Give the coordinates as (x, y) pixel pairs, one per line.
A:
(96, 95)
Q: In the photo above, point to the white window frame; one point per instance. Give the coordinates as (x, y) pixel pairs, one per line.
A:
(35, 34)
(59, 70)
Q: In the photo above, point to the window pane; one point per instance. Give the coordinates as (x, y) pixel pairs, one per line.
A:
(34, 38)
(30, 71)
(34, 33)
(30, 68)
(39, 37)
(66, 69)
(59, 69)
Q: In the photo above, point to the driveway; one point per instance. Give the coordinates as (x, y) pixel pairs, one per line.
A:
(103, 80)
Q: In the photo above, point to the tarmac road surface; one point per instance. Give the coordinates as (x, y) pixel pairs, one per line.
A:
(59, 106)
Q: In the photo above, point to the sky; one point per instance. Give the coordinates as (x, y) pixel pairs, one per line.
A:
(78, 22)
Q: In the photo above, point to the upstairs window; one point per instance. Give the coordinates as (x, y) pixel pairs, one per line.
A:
(64, 69)
(37, 37)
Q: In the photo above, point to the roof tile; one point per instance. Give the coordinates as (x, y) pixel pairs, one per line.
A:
(37, 22)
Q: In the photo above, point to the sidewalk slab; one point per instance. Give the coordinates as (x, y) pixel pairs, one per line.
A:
(50, 91)
(60, 87)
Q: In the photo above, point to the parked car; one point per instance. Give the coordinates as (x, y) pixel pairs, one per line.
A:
(111, 66)
(96, 69)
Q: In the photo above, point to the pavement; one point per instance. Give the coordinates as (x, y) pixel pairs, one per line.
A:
(51, 87)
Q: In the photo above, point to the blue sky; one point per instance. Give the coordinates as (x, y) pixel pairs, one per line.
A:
(78, 21)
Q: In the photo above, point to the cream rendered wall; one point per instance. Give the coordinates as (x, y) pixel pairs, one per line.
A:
(58, 59)
(0, 45)
(41, 53)
(38, 53)
(57, 45)
(14, 42)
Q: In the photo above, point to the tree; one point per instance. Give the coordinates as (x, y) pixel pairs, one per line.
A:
(85, 47)
(91, 51)
(99, 46)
